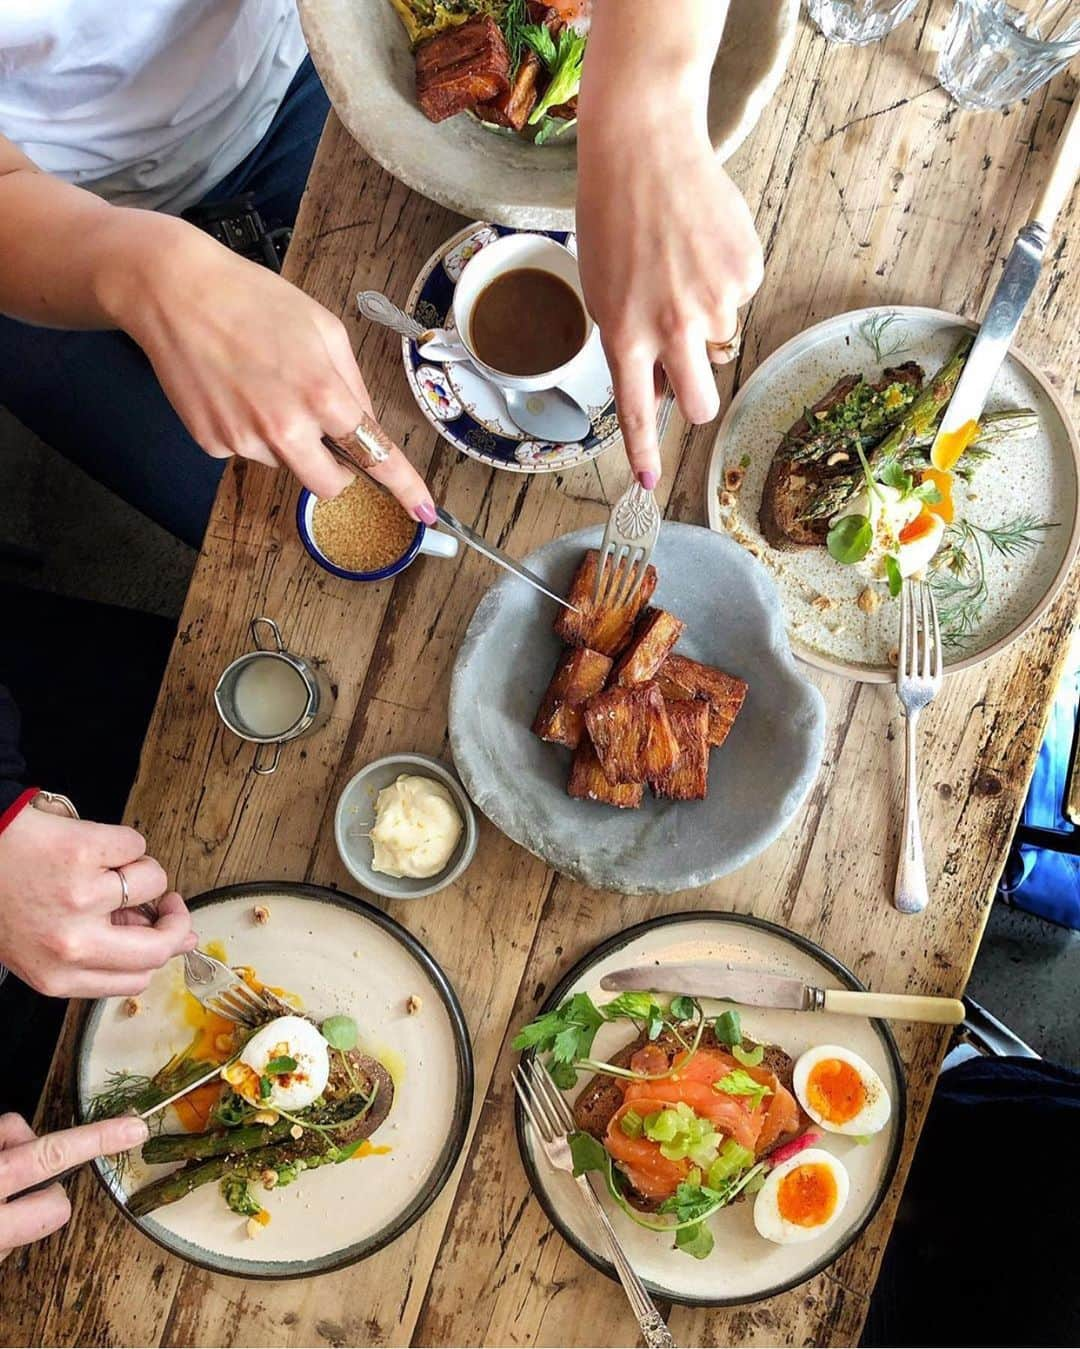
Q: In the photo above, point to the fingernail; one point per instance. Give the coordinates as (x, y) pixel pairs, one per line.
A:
(648, 479)
(426, 512)
(132, 1131)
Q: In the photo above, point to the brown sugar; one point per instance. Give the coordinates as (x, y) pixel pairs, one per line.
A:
(362, 529)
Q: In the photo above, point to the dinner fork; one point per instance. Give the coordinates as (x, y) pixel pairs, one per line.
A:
(630, 537)
(550, 1117)
(222, 991)
(918, 680)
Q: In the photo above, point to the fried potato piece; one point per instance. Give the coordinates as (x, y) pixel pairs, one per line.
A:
(689, 779)
(656, 633)
(588, 782)
(680, 678)
(512, 108)
(600, 627)
(631, 733)
(460, 67)
(579, 675)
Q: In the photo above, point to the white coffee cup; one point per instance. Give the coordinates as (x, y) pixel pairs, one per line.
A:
(511, 253)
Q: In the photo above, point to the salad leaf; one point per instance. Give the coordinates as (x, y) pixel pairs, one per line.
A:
(564, 61)
(567, 1033)
(283, 1064)
(894, 475)
(728, 1028)
(696, 1240)
(739, 1083)
(692, 1200)
(638, 1006)
(340, 1032)
(749, 1058)
(551, 128)
(892, 574)
(850, 538)
(927, 492)
(538, 36)
(682, 1008)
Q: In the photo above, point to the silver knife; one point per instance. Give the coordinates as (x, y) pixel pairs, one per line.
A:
(477, 541)
(1010, 298)
(758, 988)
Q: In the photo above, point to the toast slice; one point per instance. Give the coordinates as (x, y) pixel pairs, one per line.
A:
(631, 733)
(603, 628)
(680, 678)
(588, 781)
(579, 675)
(656, 633)
(689, 779)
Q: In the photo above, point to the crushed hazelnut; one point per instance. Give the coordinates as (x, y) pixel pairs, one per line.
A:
(754, 549)
(822, 603)
(296, 1131)
(837, 457)
(894, 655)
(796, 481)
(261, 914)
(130, 1007)
(733, 478)
(264, 1117)
(869, 600)
(269, 1178)
(413, 1004)
(253, 1227)
(727, 500)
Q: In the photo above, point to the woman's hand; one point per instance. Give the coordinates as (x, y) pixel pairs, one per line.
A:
(252, 365)
(62, 927)
(666, 243)
(26, 1160)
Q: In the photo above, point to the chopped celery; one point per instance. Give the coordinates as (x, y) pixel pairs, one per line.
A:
(632, 1124)
(749, 1058)
(662, 1125)
(732, 1159)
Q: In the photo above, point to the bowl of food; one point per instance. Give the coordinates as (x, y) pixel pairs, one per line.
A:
(404, 827)
(363, 534)
(393, 66)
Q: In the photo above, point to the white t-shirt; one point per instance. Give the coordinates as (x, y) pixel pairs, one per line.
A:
(145, 102)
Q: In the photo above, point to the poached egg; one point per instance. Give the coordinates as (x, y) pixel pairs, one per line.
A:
(893, 519)
(840, 1091)
(268, 1059)
(801, 1198)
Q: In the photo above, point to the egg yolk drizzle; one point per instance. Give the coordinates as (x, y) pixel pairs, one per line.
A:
(949, 447)
(835, 1091)
(943, 481)
(807, 1195)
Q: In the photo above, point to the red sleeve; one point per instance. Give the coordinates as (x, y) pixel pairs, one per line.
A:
(20, 803)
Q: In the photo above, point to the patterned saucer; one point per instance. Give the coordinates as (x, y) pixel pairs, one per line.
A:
(464, 407)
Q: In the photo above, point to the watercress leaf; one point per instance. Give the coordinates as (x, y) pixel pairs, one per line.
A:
(893, 475)
(564, 1075)
(892, 573)
(749, 1058)
(850, 538)
(340, 1032)
(928, 492)
(683, 1008)
(696, 1240)
(728, 1028)
(655, 1026)
(589, 1153)
(283, 1064)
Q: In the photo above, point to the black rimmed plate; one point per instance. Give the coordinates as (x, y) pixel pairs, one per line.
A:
(743, 1266)
(339, 955)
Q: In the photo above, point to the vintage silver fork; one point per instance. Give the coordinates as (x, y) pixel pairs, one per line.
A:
(918, 679)
(550, 1117)
(222, 991)
(630, 537)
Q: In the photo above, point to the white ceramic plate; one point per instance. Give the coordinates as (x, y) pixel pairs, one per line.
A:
(1036, 476)
(743, 1266)
(361, 51)
(340, 956)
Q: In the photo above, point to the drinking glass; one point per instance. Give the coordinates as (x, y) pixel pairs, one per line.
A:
(858, 21)
(996, 53)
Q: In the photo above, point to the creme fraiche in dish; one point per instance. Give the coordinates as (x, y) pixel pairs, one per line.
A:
(417, 827)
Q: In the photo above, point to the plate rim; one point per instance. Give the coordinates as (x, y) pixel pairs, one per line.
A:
(625, 937)
(877, 674)
(463, 1100)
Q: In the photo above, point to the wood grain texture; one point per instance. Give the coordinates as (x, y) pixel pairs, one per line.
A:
(868, 186)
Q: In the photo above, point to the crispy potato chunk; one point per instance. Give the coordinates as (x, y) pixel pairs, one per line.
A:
(579, 675)
(588, 781)
(656, 633)
(631, 733)
(602, 628)
(689, 779)
(680, 678)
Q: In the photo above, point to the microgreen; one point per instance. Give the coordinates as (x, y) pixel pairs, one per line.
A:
(728, 1028)
(893, 575)
(282, 1064)
(739, 1083)
(340, 1032)
(850, 539)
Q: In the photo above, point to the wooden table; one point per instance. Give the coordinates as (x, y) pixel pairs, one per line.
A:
(868, 185)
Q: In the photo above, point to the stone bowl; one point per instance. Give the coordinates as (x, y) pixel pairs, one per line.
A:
(361, 51)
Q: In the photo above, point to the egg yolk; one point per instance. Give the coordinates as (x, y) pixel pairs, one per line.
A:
(943, 481)
(918, 528)
(807, 1195)
(949, 447)
(835, 1091)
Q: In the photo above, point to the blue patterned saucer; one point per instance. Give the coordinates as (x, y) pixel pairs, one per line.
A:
(464, 407)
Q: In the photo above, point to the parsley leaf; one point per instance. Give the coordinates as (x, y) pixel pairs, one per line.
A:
(567, 1032)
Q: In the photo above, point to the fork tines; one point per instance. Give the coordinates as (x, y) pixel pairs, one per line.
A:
(240, 1003)
(629, 539)
(542, 1101)
(919, 655)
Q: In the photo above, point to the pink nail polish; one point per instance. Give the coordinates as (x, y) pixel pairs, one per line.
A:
(426, 512)
(648, 479)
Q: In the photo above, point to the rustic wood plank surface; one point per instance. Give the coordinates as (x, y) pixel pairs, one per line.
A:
(868, 186)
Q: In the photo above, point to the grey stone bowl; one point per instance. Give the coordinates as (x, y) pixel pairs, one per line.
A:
(356, 807)
(757, 779)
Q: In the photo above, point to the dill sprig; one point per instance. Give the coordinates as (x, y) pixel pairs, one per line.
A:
(884, 334)
(122, 1091)
(513, 23)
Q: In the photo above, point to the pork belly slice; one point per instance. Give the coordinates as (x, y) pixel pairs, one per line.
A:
(689, 779)
(631, 733)
(588, 781)
(604, 628)
(579, 675)
(680, 678)
(656, 633)
(461, 67)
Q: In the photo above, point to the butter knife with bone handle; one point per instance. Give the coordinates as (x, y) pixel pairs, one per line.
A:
(754, 988)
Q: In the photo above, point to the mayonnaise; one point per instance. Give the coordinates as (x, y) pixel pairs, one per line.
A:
(417, 827)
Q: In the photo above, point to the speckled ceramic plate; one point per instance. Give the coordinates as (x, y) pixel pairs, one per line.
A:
(743, 1266)
(340, 956)
(757, 779)
(361, 51)
(464, 407)
(1034, 476)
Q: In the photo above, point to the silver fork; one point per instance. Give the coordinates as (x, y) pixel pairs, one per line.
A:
(551, 1119)
(222, 991)
(918, 680)
(630, 537)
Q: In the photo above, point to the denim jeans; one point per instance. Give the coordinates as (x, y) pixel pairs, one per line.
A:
(93, 396)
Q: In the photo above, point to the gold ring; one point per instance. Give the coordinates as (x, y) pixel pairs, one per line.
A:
(125, 893)
(720, 353)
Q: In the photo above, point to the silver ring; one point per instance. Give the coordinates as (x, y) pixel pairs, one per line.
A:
(125, 896)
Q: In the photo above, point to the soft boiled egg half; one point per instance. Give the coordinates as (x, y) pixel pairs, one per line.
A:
(840, 1091)
(284, 1066)
(902, 526)
(801, 1198)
